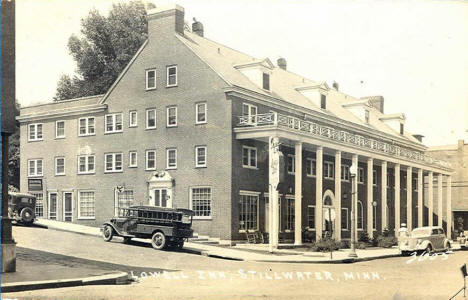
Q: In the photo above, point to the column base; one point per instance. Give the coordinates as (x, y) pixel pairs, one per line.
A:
(8, 257)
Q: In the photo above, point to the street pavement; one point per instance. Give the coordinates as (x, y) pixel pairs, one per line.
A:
(180, 275)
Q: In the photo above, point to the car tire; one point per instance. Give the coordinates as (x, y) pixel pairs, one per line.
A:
(448, 247)
(428, 249)
(158, 241)
(27, 215)
(108, 233)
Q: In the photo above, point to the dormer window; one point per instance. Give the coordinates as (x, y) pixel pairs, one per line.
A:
(402, 128)
(323, 101)
(266, 81)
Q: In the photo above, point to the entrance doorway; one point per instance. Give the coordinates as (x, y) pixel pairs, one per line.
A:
(161, 197)
(67, 206)
(329, 215)
(53, 206)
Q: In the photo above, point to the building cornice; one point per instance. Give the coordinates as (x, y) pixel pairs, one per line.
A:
(52, 114)
(323, 117)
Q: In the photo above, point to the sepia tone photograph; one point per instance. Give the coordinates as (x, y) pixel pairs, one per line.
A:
(262, 149)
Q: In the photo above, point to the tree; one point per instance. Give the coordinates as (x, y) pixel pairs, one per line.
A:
(104, 48)
(14, 156)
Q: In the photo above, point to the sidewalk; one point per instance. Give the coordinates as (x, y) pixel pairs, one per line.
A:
(252, 252)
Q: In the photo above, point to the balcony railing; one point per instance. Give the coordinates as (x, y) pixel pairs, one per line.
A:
(337, 135)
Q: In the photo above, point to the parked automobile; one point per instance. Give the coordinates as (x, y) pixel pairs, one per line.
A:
(21, 207)
(166, 227)
(428, 239)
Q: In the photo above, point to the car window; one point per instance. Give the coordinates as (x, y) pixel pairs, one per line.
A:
(25, 200)
(435, 231)
(441, 231)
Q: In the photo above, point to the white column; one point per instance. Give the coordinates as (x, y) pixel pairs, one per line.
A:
(420, 198)
(338, 195)
(397, 198)
(449, 207)
(370, 197)
(354, 199)
(439, 200)
(430, 202)
(318, 193)
(409, 198)
(273, 155)
(298, 195)
(384, 195)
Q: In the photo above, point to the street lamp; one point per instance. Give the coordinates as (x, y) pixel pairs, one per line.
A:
(353, 172)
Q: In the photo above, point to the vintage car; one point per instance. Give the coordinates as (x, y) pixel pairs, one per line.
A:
(428, 239)
(166, 227)
(21, 207)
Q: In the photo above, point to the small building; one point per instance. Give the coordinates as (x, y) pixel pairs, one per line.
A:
(187, 124)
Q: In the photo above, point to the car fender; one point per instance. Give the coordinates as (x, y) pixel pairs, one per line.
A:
(111, 225)
(447, 241)
(424, 245)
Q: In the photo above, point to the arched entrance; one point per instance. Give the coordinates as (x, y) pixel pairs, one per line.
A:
(329, 214)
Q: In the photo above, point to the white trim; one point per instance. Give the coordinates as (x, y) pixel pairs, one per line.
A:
(148, 88)
(130, 124)
(374, 177)
(167, 116)
(63, 205)
(48, 204)
(87, 126)
(148, 110)
(252, 118)
(310, 161)
(331, 169)
(293, 164)
(79, 211)
(357, 215)
(249, 157)
(35, 138)
(346, 171)
(87, 171)
(167, 159)
(114, 169)
(359, 175)
(114, 123)
(252, 194)
(307, 214)
(196, 113)
(347, 218)
(55, 169)
(210, 217)
(249, 193)
(56, 128)
(130, 165)
(197, 165)
(146, 160)
(167, 75)
(36, 174)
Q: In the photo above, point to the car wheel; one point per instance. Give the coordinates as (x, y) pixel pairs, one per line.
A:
(27, 215)
(108, 233)
(127, 240)
(448, 247)
(158, 241)
(428, 249)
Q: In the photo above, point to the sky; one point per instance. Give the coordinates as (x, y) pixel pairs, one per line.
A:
(412, 52)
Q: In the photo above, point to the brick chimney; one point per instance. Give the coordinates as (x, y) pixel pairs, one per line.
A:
(197, 27)
(165, 20)
(282, 63)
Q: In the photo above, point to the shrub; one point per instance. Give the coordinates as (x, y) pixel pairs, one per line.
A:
(386, 241)
(345, 244)
(326, 245)
(363, 237)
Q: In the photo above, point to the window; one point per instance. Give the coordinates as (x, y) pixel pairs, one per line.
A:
(86, 164)
(200, 156)
(415, 183)
(86, 126)
(67, 198)
(311, 217)
(250, 111)
(35, 132)
(150, 118)
(113, 123)
(133, 119)
(60, 166)
(59, 129)
(113, 162)
(171, 116)
(311, 167)
(290, 214)
(150, 79)
(360, 214)
(201, 113)
(323, 101)
(86, 205)
(366, 116)
(249, 157)
(266, 81)
(291, 164)
(171, 76)
(374, 177)
(344, 219)
(374, 217)
(248, 212)
(200, 199)
(389, 178)
(360, 175)
(53, 206)
(125, 199)
(132, 159)
(35, 167)
(328, 170)
(402, 128)
(150, 159)
(171, 158)
(39, 210)
(345, 172)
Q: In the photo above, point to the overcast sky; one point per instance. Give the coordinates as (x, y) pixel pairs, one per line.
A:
(414, 53)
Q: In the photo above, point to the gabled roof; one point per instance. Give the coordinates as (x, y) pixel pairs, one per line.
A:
(266, 62)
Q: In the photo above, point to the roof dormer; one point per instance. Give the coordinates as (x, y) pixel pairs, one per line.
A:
(258, 71)
(317, 93)
(395, 121)
(359, 108)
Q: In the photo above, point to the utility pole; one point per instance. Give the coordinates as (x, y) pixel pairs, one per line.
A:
(353, 172)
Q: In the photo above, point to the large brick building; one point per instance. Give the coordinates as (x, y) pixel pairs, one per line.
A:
(187, 124)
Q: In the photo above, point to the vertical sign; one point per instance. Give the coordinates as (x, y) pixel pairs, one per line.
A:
(274, 176)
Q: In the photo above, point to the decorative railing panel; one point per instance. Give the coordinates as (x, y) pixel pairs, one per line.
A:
(343, 136)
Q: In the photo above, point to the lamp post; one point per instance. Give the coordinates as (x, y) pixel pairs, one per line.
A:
(353, 173)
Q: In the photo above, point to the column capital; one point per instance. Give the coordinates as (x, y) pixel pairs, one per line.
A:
(370, 159)
(337, 151)
(298, 143)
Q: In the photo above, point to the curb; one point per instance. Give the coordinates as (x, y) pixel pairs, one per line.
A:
(116, 278)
